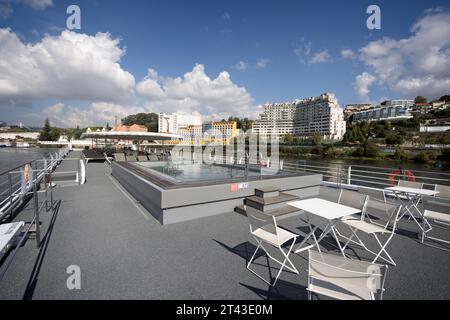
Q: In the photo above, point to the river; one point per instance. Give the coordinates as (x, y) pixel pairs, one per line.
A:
(11, 158)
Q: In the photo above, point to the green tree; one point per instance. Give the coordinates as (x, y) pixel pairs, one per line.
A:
(288, 139)
(401, 154)
(425, 156)
(394, 139)
(49, 133)
(317, 139)
(370, 150)
(420, 99)
(149, 120)
(446, 154)
(45, 134)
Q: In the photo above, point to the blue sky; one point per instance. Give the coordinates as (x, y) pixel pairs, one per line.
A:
(298, 45)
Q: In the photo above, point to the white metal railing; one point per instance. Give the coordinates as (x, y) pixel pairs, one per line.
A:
(369, 176)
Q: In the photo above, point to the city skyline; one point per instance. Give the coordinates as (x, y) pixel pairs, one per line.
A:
(216, 59)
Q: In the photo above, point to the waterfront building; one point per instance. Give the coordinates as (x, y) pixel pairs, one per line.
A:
(436, 125)
(222, 132)
(303, 117)
(397, 112)
(167, 123)
(277, 118)
(355, 107)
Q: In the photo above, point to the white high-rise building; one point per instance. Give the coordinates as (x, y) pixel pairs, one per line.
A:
(304, 118)
(168, 123)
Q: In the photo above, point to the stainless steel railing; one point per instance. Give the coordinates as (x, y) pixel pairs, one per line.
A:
(370, 176)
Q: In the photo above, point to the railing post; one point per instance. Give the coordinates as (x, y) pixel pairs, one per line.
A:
(36, 215)
(46, 189)
(51, 189)
(10, 193)
(349, 175)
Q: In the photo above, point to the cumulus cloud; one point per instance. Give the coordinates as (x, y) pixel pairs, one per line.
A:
(348, 54)
(195, 91)
(320, 57)
(38, 4)
(417, 65)
(362, 84)
(262, 63)
(306, 55)
(226, 16)
(97, 114)
(6, 6)
(241, 66)
(69, 66)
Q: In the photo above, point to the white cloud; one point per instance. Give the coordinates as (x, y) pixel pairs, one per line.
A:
(97, 114)
(306, 55)
(262, 63)
(347, 54)
(38, 4)
(320, 57)
(69, 66)
(362, 84)
(226, 16)
(195, 91)
(6, 6)
(55, 109)
(417, 65)
(241, 66)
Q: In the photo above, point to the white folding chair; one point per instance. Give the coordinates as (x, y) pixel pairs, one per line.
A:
(355, 200)
(264, 230)
(344, 279)
(374, 230)
(440, 219)
(410, 184)
(377, 206)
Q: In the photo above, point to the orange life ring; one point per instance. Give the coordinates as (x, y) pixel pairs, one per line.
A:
(398, 174)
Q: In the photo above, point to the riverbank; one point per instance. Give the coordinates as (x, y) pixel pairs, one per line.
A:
(427, 158)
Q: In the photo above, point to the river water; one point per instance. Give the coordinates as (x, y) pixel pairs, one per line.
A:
(11, 158)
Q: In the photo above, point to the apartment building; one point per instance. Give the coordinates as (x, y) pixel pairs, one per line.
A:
(222, 132)
(353, 108)
(398, 112)
(192, 134)
(167, 123)
(303, 118)
(277, 118)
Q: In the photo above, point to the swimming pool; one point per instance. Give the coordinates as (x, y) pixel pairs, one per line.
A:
(179, 191)
(197, 171)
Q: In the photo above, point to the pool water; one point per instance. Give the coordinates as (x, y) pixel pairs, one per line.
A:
(188, 171)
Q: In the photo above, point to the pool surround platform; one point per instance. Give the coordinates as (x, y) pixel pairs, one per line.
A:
(173, 202)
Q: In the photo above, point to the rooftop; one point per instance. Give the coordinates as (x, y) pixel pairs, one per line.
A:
(124, 253)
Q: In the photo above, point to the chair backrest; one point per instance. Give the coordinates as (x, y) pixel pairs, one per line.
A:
(410, 184)
(330, 194)
(261, 221)
(393, 212)
(377, 194)
(353, 199)
(359, 278)
(444, 191)
(119, 157)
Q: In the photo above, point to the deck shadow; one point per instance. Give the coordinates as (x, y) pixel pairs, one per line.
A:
(283, 290)
(32, 281)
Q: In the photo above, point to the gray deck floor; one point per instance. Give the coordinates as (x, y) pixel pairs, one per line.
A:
(124, 253)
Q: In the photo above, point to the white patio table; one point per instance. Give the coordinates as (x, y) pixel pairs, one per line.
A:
(330, 212)
(410, 198)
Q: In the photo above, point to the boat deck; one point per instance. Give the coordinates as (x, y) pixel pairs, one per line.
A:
(124, 253)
